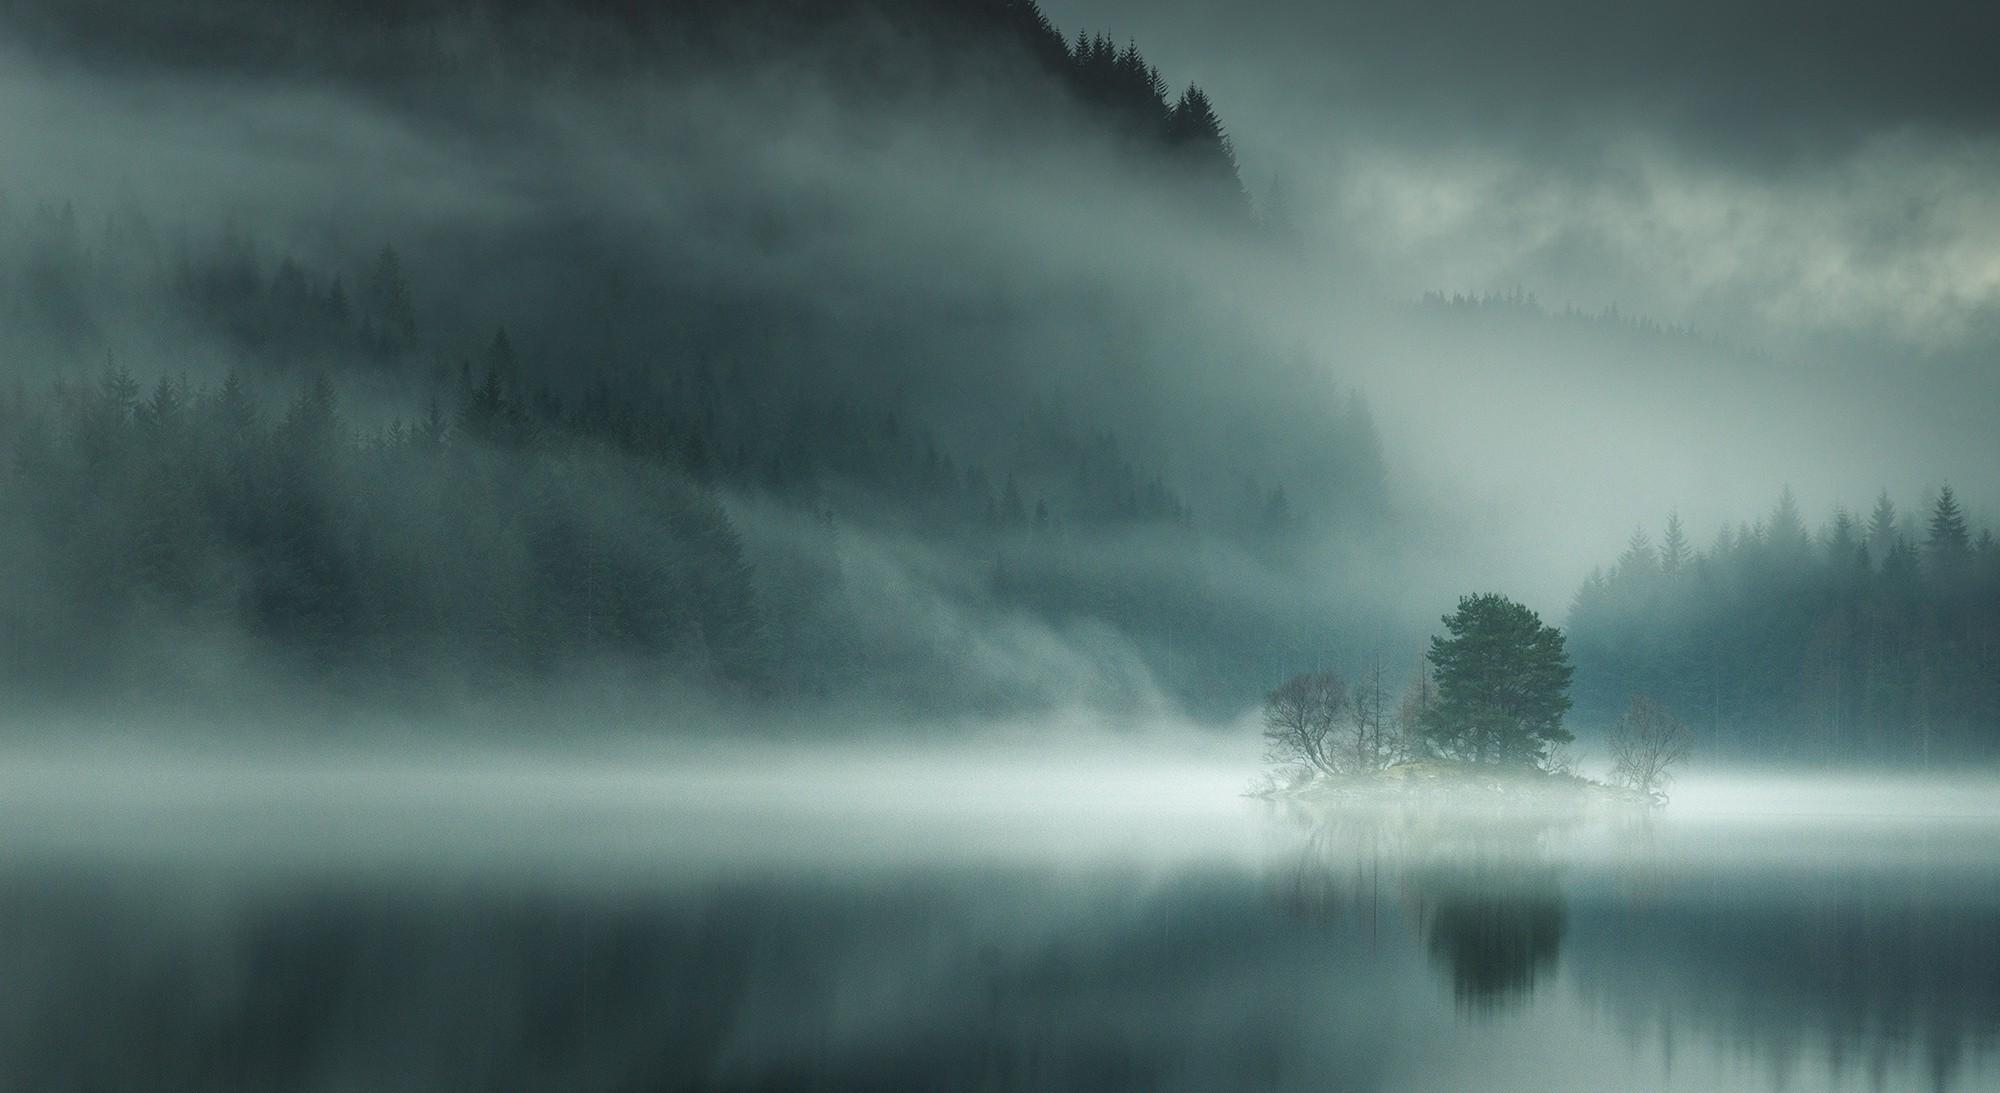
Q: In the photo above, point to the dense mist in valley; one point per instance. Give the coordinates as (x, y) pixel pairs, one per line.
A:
(936, 359)
(999, 544)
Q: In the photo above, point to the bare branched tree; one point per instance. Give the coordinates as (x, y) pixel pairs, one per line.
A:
(1646, 744)
(1368, 712)
(1559, 760)
(1300, 722)
(1415, 704)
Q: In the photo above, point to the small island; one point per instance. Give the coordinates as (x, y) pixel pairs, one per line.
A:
(1482, 724)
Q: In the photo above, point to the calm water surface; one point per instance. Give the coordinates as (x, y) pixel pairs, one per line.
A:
(185, 928)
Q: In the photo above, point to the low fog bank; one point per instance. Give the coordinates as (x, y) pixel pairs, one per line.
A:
(1069, 790)
(1778, 792)
(407, 948)
(1078, 766)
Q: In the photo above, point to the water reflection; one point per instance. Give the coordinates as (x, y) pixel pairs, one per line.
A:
(1863, 954)
(1497, 935)
(1386, 949)
(1483, 890)
(1788, 954)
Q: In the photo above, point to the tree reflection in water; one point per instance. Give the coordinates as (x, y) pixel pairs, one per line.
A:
(1796, 952)
(1481, 888)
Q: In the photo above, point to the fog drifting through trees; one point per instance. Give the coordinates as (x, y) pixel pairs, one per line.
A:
(1023, 401)
(984, 544)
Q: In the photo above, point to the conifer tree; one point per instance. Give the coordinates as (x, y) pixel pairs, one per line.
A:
(1639, 563)
(1841, 542)
(392, 312)
(1674, 551)
(1882, 526)
(1948, 541)
(1502, 684)
(1787, 531)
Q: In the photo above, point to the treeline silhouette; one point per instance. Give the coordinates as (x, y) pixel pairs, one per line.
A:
(1875, 639)
(392, 554)
(337, 460)
(1002, 62)
(181, 535)
(1521, 306)
(360, 505)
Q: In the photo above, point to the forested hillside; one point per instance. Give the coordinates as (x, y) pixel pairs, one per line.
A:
(1008, 68)
(1875, 638)
(492, 455)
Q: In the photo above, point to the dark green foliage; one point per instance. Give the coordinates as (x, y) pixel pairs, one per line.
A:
(1948, 542)
(1857, 644)
(537, 504)
(1882, 534)
(1497, 934)
(400, 555)
(1675, 554)
(1199, 142)
(1502, 684)
(389, 315)
(501, 535)
(867, 51)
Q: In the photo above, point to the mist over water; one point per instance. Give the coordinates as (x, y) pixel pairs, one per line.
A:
(748, 544)
(966, 917)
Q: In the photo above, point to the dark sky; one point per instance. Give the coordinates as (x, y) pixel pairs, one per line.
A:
(1816, 183)
(1746, 83)
(1784, 166)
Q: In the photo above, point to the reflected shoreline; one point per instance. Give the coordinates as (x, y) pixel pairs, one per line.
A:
(1258, 945)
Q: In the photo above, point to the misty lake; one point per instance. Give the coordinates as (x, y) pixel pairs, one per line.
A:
(371, 927)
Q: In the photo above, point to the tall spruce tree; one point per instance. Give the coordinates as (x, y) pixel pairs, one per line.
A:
(1675, 554)
(1841, 546)
(1949, 541)
(1787, 532)
(1845, 651)
(392, 314)
(1195, 133)
(1639, 562)
(1882, 526)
